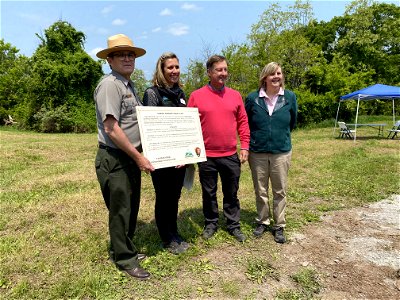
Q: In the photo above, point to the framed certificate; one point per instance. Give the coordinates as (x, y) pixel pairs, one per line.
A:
(171, 136)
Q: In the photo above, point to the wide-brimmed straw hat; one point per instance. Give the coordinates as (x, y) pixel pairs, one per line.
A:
(120, 42)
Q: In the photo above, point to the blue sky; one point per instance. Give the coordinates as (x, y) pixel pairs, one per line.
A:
(184, 27)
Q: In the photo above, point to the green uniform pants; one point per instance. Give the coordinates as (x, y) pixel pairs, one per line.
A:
(120, 180)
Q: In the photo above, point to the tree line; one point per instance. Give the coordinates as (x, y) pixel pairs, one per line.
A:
(52, 91)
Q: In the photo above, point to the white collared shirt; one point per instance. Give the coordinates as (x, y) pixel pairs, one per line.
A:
(270, 103)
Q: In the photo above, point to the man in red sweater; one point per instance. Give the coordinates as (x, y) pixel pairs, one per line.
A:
(223, 117)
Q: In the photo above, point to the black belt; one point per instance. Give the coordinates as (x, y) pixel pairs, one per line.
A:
(108, 148)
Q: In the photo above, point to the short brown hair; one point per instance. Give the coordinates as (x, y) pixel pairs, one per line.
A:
(214, 59)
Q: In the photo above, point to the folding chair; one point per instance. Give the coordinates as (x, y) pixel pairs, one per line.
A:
(395, 130)
(345, 132)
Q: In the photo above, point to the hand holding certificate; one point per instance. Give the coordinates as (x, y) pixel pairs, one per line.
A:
(171, 136)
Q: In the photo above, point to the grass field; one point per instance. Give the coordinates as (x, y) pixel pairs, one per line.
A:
(53, 224)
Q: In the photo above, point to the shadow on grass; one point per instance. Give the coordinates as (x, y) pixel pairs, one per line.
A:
(190, 227)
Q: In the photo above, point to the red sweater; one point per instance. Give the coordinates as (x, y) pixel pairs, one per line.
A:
(222, 117)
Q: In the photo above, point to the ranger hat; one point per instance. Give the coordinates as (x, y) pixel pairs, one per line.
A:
(120, 42)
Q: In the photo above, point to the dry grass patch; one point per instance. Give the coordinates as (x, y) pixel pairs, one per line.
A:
(54, 231)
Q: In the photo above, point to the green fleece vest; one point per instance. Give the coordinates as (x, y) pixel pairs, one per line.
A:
(271, 134)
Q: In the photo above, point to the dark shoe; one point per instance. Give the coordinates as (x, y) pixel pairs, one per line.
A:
(175, 248)
(141, 256)
(260, 229)
(238, 235)
(278, 235)
(208, 232)
(181, 242)
(138, 273)
(184, 245)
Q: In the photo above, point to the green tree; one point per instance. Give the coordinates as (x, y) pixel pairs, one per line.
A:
(265, 34)
(64, 75)
(324, 34)
(140, 82)
(14, 80)
(8, 55)
(372, 38)
(195, 77)
(277, 36)
(243, 74)
(367, 36)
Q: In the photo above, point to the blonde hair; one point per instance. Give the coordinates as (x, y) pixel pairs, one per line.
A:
(158, 77)
(270, 69)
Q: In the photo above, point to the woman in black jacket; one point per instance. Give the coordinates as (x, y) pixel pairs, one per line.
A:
(167, 182)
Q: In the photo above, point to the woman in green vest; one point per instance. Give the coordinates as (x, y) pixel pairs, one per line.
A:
(272, 114)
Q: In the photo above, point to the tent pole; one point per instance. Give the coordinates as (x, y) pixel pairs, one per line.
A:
(394, 115)
(337, 115)
(355, 127)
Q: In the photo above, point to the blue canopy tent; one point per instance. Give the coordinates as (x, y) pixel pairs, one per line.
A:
(373, 92)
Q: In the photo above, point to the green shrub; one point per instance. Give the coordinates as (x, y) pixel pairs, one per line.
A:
(83, 116)
(80, 118)
(3, 115)
(53, 120)
(313, 109)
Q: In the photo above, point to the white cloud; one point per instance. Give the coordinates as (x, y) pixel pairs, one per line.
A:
(107, 9)
(189, 6)
(178, 29)
(118, 22)
(166, 12)
(157, 29)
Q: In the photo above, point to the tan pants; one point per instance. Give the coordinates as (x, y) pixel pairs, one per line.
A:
(267, 167)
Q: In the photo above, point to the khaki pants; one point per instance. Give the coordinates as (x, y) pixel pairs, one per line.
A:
(266, 167)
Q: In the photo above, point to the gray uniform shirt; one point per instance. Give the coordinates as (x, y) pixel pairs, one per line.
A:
(114, 96)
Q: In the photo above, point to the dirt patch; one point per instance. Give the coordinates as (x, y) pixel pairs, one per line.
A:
(357, 251)
(356, 254)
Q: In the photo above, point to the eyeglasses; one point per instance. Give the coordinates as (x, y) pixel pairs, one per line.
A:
(122, 56)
